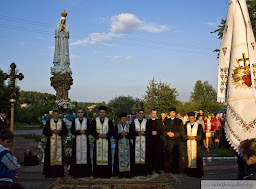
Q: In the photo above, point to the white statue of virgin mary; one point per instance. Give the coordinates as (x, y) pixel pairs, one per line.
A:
(61, 59)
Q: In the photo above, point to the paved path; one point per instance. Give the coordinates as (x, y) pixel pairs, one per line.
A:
(32, 131)
(32, 178)
(213, 170)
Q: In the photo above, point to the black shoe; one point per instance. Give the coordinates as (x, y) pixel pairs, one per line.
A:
(158, 172)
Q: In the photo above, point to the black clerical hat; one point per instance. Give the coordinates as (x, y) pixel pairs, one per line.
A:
(172, 109)
(191, 114)
(103, 108)
(122, 115)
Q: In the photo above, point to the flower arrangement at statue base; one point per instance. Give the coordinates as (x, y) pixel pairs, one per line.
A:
(41, 149)
(67, 147)
(65, 105)
(30, 159)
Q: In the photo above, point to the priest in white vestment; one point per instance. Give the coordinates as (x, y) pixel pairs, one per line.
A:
(54, 129)
(193, 157)
(80, 161)
(102, 130)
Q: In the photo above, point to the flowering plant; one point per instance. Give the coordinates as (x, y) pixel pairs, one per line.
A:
(65, 104)
(30, 159)
(28, 153)
(67, 147)
(41, 148)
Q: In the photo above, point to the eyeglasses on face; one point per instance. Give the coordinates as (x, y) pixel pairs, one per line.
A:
(80, 112)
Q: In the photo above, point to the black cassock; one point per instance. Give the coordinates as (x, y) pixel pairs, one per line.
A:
(117, 137)
(80, 170)
(142, 169)
(102, 171)
(172, 146)
(3, 124)
(53, 170)
(198, 171)
(157, 144)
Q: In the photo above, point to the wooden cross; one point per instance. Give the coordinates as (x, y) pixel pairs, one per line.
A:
(12, 76)
(244, 59)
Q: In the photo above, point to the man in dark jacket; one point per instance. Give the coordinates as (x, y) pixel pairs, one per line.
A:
(172, 133)
(3, 120)
(156, 141)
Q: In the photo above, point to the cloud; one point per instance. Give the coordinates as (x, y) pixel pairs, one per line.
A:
(212, 24)
(126, 23)
(114, 57)
(130, 59)
(152, 28)
(121, 58)
(120, 26)
(95, 38)
(73, 56)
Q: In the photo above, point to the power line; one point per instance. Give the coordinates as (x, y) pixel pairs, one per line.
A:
(23, 29)
(176, 48)
(24, 20)
(156, 44)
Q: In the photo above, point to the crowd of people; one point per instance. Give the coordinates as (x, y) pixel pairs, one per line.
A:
(213, 128)
(142, 147)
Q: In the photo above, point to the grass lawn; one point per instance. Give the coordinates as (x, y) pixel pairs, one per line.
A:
(25, 126)
(33, 136)
(223, 152)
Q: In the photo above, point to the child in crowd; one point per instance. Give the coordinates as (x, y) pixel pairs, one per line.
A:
(8, 162)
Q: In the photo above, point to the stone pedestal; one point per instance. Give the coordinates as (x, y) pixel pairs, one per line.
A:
(61, 83)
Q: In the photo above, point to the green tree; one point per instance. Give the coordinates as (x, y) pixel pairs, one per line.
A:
(121, 104)
(160, 96)
(4, 94)
(251, 4)
(204, 97)
(88, 113)
(139, 104)
(33, 97)
(39, 104)
(33, 113)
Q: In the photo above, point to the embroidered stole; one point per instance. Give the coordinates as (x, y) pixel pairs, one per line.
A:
(102, 143)
(192, 145)
(81, 142)
(124, 149)
(140, 142)
(55, 144)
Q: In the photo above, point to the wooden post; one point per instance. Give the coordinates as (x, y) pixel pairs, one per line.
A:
(12, 76)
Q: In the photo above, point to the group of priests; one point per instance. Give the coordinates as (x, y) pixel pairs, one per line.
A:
(142, 147)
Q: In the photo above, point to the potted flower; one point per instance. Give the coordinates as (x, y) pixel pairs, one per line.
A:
(30, 158)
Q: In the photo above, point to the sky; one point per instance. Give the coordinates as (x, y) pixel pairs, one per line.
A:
(116, 46)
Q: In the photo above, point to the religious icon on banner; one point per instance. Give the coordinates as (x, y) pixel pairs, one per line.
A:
(224, 49)
(253, 45)
(241, 76)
